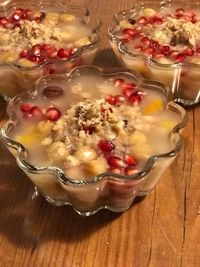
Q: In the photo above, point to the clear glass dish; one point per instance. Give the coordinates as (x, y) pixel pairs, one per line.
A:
(181, 77)
(111, 191)
(15, 78)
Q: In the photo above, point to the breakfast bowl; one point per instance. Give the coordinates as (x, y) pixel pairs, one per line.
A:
(40, 38)
(161, 40)
(94, 140)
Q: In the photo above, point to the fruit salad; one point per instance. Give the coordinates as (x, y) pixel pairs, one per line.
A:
(97, 129)
(163, 44)
(32, 38)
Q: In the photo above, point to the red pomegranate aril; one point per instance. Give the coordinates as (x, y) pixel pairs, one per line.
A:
(62, 53)
(138, 48)
(127, 92)
(188, 52)
(180, 10)
(149, 51)
(165, 50)
(51, 52)
(106, 146)
(116, 162)
(134, 99)
(111, 100)
(130, 160)
(145, 41)
(130, 170)
(26, 107)
(38, 19)
(142, 20)
(140, 92)
(118, 81)
(116, 170)
(119, 99)
(36, 50)
(128, 85)
(24, 53)
(3, 21)
(53, 114)
(89, 129)
(132, 21)
(128, 31)
(180, 57)
(36, 111)
(153, 44)
(52, 91)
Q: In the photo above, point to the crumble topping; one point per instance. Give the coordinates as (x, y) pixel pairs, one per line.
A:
(177, 32)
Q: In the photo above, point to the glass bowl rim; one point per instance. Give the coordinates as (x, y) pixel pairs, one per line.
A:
(58, 172)
(122, 46)
(86, 14)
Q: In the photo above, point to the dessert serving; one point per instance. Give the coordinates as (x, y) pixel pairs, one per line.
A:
(94, 140)
(162, 41)
(42, 39)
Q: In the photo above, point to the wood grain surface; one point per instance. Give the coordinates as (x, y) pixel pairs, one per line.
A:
(160, 230)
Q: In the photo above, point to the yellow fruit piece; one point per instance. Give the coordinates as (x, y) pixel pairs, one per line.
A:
(44, 127)
(83, 41)
(95, 167)
(30, 138)
(85, 154)
(26, 63)
(52, 16)
(137, 138)
(8, 57)
(149, 12)
(67, 17)
(125, 24)
(154, 106)
(65, 36)
(142, 150)
(168, 124)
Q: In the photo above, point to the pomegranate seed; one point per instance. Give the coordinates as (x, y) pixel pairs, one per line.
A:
(165, 50)
(3, 21)
(37, 19)
(128, 31)
(129, 85)
(51, 52)
(154, 44)
(118, 81)
(174, 53)
(180, 10)
(24, 53)
(33, 58)
(52, 91)
(127, 92)
(188, 52)
(179, 16)
(142, 20)
(62, 53)
(180, 57)
(116, 170)
(130, 160)
(140, 92)
(111, 100)
(106, 146)
(134, 99)
(26, 107)
(53, 114)
(28, 14)
(132, 21)
(127, 38)
(115, 162)
(89, 129)
(145, 40)
(138, 48)
(130, 170)
(36, 111)
(119, 99)
(36, 50)
(149, 51)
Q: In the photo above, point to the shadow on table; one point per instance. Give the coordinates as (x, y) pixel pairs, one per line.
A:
(105, 58)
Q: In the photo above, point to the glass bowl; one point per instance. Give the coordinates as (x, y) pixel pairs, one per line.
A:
(15, 78)
(182, 78)
(111, 191)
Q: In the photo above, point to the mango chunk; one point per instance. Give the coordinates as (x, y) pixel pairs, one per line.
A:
(30, 138)
(167, 124)
(154, 106)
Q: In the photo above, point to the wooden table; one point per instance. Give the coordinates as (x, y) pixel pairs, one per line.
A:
(161, 230)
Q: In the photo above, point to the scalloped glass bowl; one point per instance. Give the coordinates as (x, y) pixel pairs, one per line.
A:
(15, 78)
(182, 78)
(111, 191)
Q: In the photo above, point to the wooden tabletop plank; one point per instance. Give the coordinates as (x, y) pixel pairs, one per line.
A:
(162, 229)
